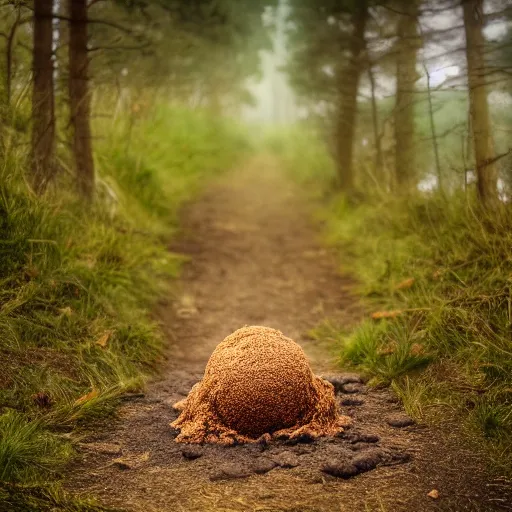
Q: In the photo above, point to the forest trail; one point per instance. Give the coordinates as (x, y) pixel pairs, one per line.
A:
(256, 260)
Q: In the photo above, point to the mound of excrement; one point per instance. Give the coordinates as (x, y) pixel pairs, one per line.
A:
(258, 385)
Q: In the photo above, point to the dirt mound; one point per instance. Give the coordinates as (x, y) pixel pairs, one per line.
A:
(257, 383)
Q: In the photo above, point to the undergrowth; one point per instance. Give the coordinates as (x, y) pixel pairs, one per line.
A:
(77, 286)
(436, 275)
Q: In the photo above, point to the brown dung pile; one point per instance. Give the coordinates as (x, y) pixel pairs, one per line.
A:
(257, 383)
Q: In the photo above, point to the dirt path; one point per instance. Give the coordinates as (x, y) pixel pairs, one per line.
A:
(256, 260)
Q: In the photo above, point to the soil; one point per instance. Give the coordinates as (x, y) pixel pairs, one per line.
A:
(256, 259)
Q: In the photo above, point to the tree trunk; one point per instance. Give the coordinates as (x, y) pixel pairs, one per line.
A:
(348, 88)
(435, 146)
(43, 117)
(62, 55)
(79, 97)
(406, 75)
(486, 170)
(379, 167)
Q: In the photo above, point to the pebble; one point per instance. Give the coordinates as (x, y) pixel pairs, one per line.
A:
(351, 402)
(342, 470)
(399, 421)
(230, 472)
(263, 465)
(338, 381)
(357, 437)
(352, 388)
(368, 460)
(191, 453)
(286, 460)
(434, 494)
(359, 464)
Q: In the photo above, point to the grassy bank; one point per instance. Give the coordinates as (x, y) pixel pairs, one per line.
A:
(77, 285)
(435, 275)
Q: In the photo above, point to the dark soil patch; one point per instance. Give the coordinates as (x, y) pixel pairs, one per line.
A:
(255, 260)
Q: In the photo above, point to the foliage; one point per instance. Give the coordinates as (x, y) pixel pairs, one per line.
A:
(78, 285)
(443, 270)
(302, 153)
(204, 49)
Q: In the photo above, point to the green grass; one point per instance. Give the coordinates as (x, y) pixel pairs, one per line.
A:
(439, 272)
(444, 268)
(78, 285)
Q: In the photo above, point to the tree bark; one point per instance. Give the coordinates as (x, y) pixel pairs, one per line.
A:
(435, 146)
(62, 54)
(43, 116)
(406, 75)
(486, 169)
(379, 166)
(348, 88)
(79, 97)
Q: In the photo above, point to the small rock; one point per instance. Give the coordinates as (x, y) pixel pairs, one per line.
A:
(367, 461)
(352, 402)
(364, 438)
(263, 465)
(191, 453)
(352, 388)
(434, 494)
(399, 421)
(338, 381)
(286, 460)
(361, 463)
(230, 472)
(343, 470)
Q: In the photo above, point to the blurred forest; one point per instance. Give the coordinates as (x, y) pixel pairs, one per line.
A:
(113, 113)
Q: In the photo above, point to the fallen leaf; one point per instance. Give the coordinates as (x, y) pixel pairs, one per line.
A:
(417, 349)
(407, 283)
(103, 339)
(67, 311)
(434, 494)
(85, 398)
(386, 314)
